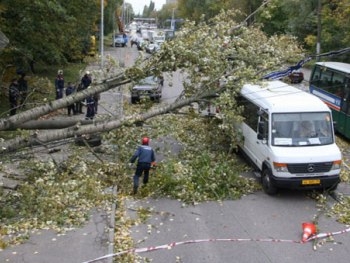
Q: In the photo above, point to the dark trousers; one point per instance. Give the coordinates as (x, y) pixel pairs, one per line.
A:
(90, 111)
(59, 94)
(141, 168)
(71, 109)
(13, 107)
(24, 96)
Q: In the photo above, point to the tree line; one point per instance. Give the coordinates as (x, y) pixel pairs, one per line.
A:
(58, 32)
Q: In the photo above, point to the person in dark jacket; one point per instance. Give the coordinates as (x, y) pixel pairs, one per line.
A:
(145, 157)
(59, 85)
(13, 96)
(70, 90)
(84, 84)
(86, 80)
(23, 90)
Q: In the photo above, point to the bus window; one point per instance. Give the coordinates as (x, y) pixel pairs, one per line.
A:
(326, 81)
(315, 79)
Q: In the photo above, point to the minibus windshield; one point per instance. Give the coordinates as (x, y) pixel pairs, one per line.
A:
(301, 129)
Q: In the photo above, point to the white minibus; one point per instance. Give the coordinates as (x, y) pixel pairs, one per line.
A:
(288, 135)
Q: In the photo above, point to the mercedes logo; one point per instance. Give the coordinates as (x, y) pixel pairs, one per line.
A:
(311, 168)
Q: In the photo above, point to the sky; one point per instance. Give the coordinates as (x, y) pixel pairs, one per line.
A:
(138, 5)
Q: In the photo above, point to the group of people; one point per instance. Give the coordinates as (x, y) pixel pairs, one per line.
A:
(18, 92)
(144, 154)
(91, 102)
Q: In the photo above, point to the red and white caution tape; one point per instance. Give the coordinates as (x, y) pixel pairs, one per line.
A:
(171, 245)
(324, 235)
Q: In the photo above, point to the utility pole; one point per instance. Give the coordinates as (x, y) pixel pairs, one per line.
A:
(101, 34)
(172, 25)
(123, 14)
(318, 44)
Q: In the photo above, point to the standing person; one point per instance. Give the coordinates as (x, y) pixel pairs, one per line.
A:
(13, 96)
(59, 84)
(70, 90)
(146, 156)
(23, 90)
(86, 80)
(90, 108)
(84, 84)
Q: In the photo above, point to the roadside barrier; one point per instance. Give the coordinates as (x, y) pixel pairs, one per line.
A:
(311, 236)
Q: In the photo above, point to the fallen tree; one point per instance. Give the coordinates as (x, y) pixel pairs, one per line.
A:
(208, 53)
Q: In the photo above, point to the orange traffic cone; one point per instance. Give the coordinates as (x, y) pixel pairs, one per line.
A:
(309, 229)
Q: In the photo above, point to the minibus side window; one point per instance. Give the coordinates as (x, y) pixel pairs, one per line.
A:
(250, 112)
(263, 125)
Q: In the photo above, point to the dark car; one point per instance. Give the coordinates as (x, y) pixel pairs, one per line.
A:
(149, 87)
(120, 40)
(296, 77)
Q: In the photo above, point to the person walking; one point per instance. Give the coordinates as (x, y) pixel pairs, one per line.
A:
(70, 90)
(59, 84)
(23, 90)
(13, 96)
(84, 84)
(145, 157)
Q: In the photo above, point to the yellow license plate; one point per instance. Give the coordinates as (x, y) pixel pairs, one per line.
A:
(310, 182)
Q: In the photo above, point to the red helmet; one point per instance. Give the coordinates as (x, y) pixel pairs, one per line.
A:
(145, 141)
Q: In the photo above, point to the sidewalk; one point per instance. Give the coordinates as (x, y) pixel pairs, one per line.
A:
(76, 246)
(93, 240)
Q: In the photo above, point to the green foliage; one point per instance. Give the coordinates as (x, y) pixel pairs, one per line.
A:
(199, 171)
(202, 178)
(299, 18)
(195, 10)
(55, 198)
(53, 32)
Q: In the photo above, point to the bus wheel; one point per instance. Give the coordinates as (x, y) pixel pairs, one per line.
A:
(267, 184)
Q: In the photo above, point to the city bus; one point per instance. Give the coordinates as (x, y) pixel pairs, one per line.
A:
(330, 81)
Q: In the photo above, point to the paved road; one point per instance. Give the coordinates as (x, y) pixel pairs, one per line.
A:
(255, 216)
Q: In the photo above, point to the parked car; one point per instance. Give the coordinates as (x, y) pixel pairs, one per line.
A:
(149, 87)
(120, 40)
(152, 48)
(296, 77)
(141, 44)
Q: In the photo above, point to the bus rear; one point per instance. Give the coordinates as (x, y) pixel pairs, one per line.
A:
(330, 81)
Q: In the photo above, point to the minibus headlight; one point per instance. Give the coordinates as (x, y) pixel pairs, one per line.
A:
(280, 167)
(336, 165)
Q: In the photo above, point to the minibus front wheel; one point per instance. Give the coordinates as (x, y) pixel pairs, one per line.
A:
(267, 183)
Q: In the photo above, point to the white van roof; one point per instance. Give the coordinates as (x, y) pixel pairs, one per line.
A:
(277, 96)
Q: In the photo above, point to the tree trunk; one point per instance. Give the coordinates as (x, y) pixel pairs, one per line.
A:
(104, 126)
(51, 124)
(13, 122)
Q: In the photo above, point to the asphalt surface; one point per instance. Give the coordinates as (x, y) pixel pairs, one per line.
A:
(255, 228)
